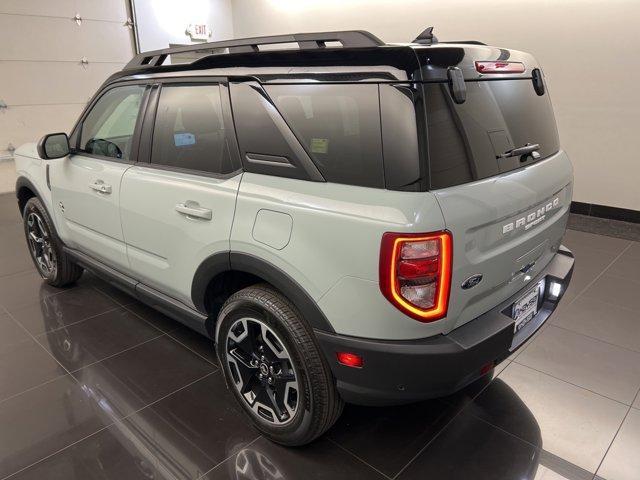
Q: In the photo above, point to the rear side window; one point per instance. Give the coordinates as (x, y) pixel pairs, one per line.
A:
(339, 127)
(108, 128)
(267, 144)
(189, 131)
(466, 141)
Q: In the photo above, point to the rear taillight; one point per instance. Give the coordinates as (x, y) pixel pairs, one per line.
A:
(500, 67)
(415, 273)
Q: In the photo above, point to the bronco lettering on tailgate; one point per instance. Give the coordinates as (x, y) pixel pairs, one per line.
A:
(532, 219)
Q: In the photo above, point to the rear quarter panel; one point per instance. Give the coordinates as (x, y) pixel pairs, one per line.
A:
(332, 245)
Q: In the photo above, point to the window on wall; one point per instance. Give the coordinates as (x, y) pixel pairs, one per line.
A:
(339, 126)
(189, 131)
(108, 128)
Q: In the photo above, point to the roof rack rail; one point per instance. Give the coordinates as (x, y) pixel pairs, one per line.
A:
(348, 38)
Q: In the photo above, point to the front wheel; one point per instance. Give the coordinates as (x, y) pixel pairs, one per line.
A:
(46, 248)
(274, 367)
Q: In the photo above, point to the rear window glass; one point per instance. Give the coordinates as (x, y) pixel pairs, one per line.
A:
(466, 140)
(189, 130)
(339, 126)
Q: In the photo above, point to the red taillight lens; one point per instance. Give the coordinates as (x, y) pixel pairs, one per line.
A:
(415, 273)
(418, 268)
(500, 67)
(350, 359)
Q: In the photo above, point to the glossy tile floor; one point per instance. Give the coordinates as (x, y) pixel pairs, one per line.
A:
(93, 385)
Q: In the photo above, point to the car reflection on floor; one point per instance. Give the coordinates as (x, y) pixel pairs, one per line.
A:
(156, 442)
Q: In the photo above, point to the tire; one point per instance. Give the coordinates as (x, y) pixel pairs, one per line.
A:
(311, 401)
(45, 246)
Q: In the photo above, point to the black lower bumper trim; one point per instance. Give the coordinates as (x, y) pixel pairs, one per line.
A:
(398, 372)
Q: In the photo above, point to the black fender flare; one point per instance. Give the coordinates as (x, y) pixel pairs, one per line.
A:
(242, 262)
(25, 182)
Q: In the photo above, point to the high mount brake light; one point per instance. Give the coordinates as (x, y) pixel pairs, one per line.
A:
(415, 273)
(500, 67)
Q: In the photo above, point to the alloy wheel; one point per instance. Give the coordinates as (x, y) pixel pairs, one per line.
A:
(40, 244)
(262, 370)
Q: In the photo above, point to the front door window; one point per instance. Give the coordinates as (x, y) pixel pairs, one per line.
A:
(108, 128)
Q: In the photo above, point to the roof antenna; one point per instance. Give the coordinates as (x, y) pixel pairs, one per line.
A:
(426, 37)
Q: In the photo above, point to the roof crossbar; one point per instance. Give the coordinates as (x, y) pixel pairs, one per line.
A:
(350, 38)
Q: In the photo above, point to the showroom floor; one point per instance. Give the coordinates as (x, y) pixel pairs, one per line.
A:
(95, 385)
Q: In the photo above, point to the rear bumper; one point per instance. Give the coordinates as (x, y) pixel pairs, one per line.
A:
(398, 372)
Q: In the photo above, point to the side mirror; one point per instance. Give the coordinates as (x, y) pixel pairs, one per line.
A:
(53, 145)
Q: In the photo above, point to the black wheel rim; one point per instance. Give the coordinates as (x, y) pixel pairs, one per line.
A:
(262, 371)
(40, 245)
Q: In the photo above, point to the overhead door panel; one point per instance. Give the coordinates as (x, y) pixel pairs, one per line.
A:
(45, 83)
(106, 10)
(62, 39)
(110, 10)
(20, 125)
(30, 83)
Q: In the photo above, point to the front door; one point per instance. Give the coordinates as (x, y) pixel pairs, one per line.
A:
(86, 184)
(178, 208)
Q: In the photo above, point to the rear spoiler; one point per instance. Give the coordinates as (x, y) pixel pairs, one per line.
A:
(428, 38)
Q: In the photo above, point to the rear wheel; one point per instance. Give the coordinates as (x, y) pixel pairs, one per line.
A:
(46, 248)
(274, 367)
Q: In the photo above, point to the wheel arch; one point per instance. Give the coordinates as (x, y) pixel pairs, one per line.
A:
(224, 273)
(25, 189)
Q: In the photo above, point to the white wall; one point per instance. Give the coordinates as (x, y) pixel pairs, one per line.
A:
(589, 49)
(161, 22)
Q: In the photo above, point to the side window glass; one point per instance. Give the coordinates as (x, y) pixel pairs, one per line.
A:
(189, 130)
(339, 126)
(108, 128)
(400, 108)
(267, 144)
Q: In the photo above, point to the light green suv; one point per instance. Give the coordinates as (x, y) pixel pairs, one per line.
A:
(348, 221)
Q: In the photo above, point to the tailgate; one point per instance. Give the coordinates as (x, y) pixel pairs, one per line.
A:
(496, 169)
(506, 228)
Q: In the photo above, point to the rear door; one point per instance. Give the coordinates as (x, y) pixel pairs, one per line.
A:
(178, 203)
(85, 186)
(507, 211)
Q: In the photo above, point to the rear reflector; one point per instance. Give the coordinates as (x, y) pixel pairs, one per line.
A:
(350, 359)
(487, 368)
(500, 67)
(415, 273)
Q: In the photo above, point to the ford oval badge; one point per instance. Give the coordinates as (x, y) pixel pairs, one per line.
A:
(472, 281)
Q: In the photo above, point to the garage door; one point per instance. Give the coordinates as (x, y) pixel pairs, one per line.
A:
(44, 82)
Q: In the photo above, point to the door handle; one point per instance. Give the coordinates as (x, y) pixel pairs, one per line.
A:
(193, 209)
(100, 186)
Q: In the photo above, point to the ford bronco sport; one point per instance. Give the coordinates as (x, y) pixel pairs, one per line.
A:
(348, 220)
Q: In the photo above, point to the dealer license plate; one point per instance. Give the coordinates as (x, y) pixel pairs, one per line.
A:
(525, 309)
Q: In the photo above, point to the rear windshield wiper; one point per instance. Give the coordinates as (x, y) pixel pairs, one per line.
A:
(528, 149)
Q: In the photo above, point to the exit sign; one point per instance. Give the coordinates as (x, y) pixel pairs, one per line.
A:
(198, 31)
